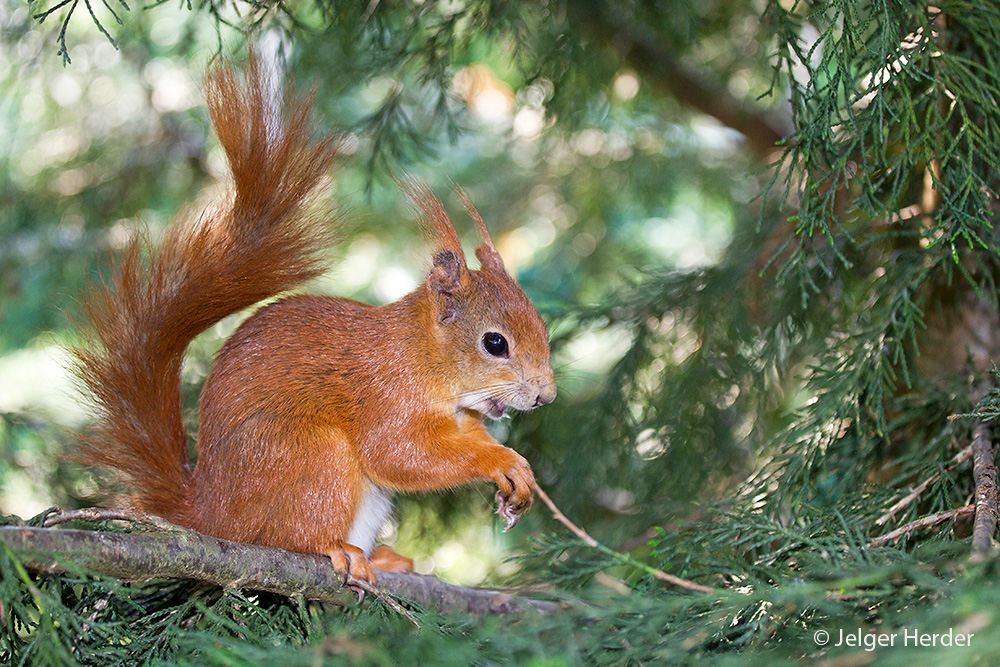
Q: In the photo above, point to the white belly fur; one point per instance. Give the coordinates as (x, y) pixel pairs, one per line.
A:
(373, 511)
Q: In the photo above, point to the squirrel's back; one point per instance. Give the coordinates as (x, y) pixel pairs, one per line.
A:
(265, 239)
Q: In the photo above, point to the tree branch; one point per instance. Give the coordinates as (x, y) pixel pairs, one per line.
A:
(984, 472)
(185, 554)
(644, 52)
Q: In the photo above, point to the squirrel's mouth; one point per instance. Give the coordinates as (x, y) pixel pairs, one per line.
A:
(494, 408)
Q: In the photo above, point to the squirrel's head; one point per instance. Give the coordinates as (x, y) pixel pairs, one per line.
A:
(483, 322)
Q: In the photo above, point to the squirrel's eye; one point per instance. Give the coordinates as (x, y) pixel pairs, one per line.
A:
(495, 344)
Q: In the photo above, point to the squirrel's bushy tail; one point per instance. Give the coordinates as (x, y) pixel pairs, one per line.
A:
(263, 241)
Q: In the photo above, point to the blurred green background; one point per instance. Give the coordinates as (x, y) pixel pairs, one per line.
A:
(587, 190)
(762, 233)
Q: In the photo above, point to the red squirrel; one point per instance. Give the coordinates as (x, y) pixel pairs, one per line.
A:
(317, 408)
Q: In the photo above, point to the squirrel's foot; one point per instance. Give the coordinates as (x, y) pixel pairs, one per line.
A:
(384, 558)
(509, 511)
(350, 563)
(515, 495)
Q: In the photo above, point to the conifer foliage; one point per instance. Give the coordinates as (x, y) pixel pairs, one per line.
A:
(802, 422)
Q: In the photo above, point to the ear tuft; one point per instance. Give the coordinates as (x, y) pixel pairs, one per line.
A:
(434, 221)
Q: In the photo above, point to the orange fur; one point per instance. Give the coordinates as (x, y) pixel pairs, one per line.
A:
(317, 407)
(384, 558)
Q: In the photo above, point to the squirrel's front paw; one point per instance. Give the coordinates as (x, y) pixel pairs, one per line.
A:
(515, 482)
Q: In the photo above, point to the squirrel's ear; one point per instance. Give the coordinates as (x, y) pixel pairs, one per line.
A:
(445, 278)
(489, 258)
(446, 274)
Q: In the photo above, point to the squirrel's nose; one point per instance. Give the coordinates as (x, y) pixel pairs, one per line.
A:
(546, 395)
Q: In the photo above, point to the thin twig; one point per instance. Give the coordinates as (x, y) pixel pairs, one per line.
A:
(984, 472)
(624, 558)
(388, 599)
(929, 520)
(957, 460)
(56, 516)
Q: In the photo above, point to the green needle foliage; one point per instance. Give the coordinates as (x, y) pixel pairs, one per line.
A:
(751, 419)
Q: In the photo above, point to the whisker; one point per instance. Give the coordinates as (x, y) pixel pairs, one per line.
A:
(570, 362)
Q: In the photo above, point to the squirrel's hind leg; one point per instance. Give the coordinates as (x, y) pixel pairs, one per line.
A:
(384, 558)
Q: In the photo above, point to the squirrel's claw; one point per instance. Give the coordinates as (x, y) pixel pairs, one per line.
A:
(508, 512)
(515, 481)
(355, 586)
